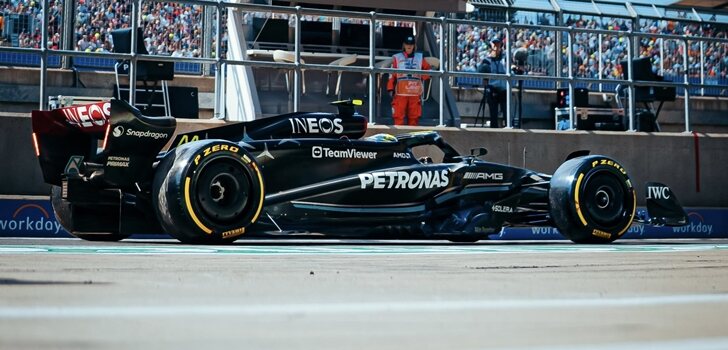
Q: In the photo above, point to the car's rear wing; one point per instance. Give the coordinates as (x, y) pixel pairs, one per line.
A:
(110, 143)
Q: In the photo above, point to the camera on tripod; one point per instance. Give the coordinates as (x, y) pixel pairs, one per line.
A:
(493, 95)
(520, 56)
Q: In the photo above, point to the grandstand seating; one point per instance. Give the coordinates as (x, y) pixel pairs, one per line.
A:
(343, 61)
(176, 29)
(289, 57)
(472, 47)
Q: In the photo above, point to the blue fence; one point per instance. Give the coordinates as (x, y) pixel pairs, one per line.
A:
(27, 59)
(107, 64)
(472, 82)
(83, 63)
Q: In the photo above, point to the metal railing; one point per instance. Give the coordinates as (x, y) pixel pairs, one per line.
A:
(444, 71)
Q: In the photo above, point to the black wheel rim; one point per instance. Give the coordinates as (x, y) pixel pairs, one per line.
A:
(603, 197)
(222, 190)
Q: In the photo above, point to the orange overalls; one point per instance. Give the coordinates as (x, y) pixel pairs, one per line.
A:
(408, 88)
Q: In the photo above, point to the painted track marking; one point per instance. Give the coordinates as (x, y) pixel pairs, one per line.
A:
(364, 249)
(720, 343)
(33, 312)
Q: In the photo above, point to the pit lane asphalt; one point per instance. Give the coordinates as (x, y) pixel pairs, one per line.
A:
(159, 294)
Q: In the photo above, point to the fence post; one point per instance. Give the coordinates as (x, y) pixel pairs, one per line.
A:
(44, 58)
(570, 60)
(207, 25)
(297, 71)
(702, 67)
(662, 56)
(558, 56)
(67, 36)
(135, 8)
(630, 80)
(601, 64)
(509, 74)
(219, 112)
(372, 83)
(452, 46)
(686, 81)
(441, 97)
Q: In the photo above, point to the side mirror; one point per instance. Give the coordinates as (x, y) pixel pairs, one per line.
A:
(579, 153)
(346, 107)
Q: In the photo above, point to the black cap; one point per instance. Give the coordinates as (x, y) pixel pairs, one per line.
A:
(409, 40)
(496, 41)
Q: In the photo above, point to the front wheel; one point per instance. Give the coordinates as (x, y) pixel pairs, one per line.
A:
(592, 200)
(208, 192)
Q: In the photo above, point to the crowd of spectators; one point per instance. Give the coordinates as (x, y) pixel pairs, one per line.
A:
(94, 20)
(168, 28)
(586, 47)
(715, 54)
(172, 30)
(27, 15)
(473, 46)
(176, 29)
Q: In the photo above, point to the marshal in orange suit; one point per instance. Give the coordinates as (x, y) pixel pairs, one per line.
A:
(406, 89)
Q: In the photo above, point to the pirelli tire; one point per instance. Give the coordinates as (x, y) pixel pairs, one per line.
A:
(208, 192)
(63, 214)
(592, 199)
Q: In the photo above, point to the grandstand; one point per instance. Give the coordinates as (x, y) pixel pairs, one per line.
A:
(585, 40)
(597, 56)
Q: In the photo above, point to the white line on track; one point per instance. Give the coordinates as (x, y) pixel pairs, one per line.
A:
(32, 312)
(351, 249)
(720, 343)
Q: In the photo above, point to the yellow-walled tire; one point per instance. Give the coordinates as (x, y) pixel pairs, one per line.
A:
(208, 192)
(592, 200)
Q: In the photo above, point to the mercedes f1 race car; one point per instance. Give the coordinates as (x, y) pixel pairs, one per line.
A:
(314, 174)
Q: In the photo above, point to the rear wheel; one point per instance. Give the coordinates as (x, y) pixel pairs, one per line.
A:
(592, 200)
(208, 192)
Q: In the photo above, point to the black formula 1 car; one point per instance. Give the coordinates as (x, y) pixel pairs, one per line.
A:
(314, 174)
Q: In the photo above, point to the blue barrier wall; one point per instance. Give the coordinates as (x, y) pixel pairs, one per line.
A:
(34, 218)
(704, 223)
(29, 218)
(83, 63)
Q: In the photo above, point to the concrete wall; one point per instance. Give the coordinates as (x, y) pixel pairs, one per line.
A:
(19, 172)
(662, 157)
(707, 113)
(19, 90)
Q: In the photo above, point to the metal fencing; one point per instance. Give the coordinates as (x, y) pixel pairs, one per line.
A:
(686, 84)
